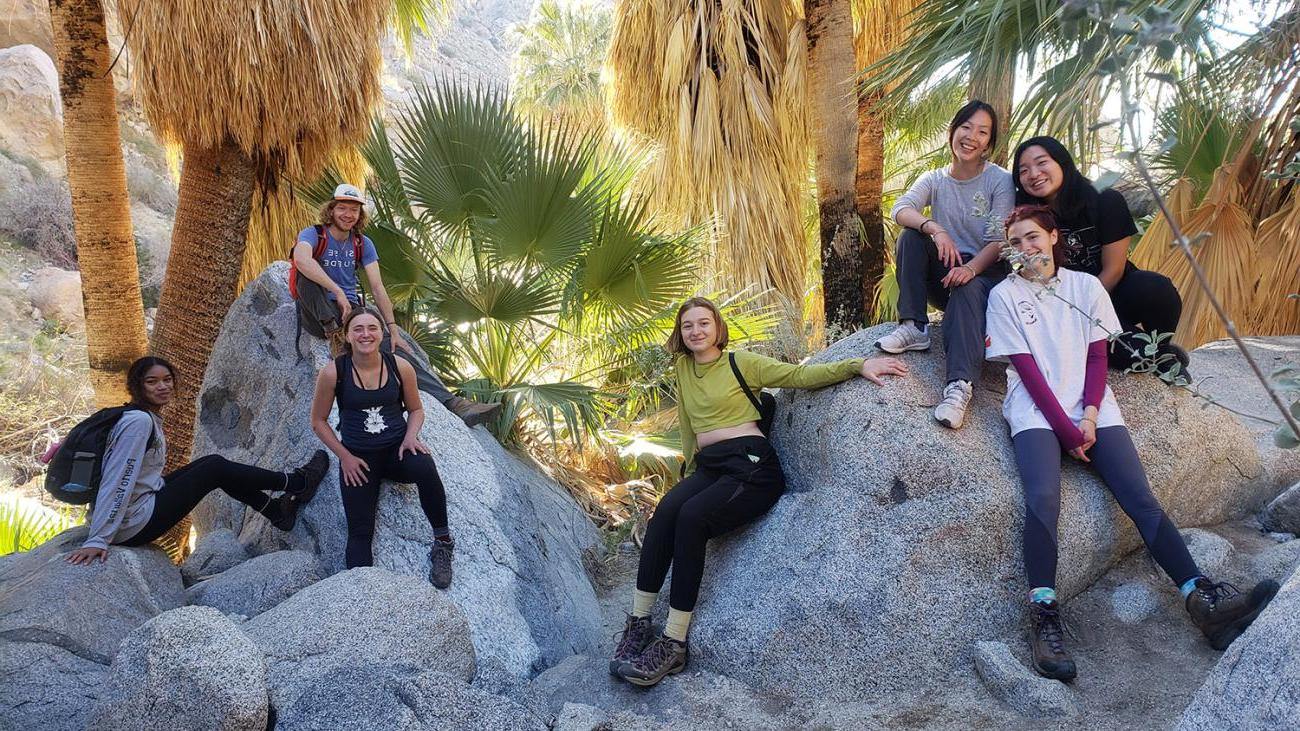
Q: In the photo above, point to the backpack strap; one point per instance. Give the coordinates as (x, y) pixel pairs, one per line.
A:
(321, 243)
(740, 378)
(153, 425)
(391, 361)
(358, 248)
(339, 374)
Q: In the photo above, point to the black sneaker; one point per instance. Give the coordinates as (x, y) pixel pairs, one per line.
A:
(1047, 640)
(665, 656)
(440, 562)
(637, 633)
(1222, 612)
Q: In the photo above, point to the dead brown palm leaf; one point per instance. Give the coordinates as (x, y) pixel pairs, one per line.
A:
(1273, 309)
(1155, 251)
(1227, 257)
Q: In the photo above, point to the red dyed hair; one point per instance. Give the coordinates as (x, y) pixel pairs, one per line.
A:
(1046, 220)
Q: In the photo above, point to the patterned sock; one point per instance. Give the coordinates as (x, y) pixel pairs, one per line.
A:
(679, 623)
(1189, 586)
(1042, 595)
(643, 602)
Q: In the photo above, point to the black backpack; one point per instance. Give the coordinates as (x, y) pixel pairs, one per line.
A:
(764, 402)
(74, 472)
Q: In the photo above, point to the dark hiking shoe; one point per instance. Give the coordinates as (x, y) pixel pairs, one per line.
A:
(637, 633)
(440, 562)
(472, 413)
(665, 656)
(1222, 612)
(1047, 639)
(282, 512)
(312, 473)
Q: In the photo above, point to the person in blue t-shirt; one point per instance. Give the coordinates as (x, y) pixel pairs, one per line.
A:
(328, 290)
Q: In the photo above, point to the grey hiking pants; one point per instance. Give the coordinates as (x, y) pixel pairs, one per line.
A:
(920, 275)
(318, 314)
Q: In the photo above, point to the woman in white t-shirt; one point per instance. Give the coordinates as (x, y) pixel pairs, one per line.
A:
(1052, 325)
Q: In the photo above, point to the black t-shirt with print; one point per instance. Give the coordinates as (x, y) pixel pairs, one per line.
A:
(1084, 235)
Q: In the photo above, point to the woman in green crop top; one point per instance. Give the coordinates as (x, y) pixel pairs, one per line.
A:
(734, 478)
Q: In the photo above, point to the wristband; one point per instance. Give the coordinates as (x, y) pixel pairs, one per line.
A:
(969, 268)
(1094, 421)
(391, 324)
(921, 228)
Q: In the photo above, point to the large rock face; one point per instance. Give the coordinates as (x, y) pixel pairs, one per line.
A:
(32, 116)
(897, 544)
(187, 668)
(520, 538)
(1256, 685)
(258, 584)
(60, 626)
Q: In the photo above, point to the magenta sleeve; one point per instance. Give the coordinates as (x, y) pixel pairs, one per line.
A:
(1094, 380)
(1066, 431)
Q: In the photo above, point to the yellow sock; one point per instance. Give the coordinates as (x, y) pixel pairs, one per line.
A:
(643, 602)
(679, 623)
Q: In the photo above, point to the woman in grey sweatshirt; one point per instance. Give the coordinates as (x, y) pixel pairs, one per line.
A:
(137, 503)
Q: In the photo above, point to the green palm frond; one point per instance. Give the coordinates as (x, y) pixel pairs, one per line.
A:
(1205, 133)
(501, 296)
(578, 407)
(629, 271)
(422, 16)
(450, 142)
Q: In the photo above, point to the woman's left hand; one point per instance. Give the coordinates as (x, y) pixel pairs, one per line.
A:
(874, 368)
(957, 276)
(413, 445)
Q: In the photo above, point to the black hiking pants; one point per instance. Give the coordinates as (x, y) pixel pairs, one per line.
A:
(1144, 302)
(184, 488)
(735, 482)
(318, 314)
(360, 503)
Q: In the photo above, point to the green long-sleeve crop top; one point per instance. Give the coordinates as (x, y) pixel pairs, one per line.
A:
(709, 397)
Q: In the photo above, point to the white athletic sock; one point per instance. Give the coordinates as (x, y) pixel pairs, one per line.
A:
(679, 623)
(643, 602)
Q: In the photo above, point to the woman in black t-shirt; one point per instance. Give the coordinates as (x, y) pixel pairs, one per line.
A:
(1095, 232)
(378, 442)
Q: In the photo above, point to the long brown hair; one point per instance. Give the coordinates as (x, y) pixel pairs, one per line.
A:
(676, 345)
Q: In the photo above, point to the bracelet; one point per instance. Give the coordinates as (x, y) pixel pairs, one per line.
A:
(391, 324)
(1094, 421)
(921, 228)
(969, 268)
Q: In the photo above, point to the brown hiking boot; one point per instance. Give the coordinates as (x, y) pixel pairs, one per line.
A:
(1047, 639)
(664, 656)
(440, 562)
(1222, 612)
(472, 413)
(637, 633)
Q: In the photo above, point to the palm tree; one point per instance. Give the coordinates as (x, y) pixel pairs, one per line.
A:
(717, 91)
(101, 210)
(556, 70)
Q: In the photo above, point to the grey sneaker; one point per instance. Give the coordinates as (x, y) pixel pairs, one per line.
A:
(905, 337)
(440, 562)
(665, 656)
(951, 411)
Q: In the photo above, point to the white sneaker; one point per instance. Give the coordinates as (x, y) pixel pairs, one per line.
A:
(905, 337)
(951, 412)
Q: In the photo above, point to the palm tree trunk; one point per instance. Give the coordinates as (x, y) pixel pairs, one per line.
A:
(101, 208)
(993, 80)
(869, 187)
(212, 212)
(831, 70)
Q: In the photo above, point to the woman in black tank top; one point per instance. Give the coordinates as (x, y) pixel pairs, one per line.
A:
(380, 416)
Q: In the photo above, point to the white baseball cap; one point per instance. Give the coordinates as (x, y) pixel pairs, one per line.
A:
(349, 192)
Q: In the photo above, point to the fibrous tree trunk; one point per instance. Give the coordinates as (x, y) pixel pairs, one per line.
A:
(101, 209)
(212, 212)
(993, 80)
(833, 113)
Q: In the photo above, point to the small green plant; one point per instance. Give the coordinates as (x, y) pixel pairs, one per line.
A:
(26, 524)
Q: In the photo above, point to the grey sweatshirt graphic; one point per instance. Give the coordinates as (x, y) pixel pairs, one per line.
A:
(131, 475)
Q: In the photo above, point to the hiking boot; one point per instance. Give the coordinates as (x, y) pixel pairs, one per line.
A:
(637, 633)
(472, 413)
(312, 473)
(1222, 612)
(440, 562)
(905, 337)
(1047, 640)
(664, 656)
(951, 411)
(282, 511)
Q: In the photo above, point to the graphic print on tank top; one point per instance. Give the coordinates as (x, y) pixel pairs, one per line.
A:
(375, 420)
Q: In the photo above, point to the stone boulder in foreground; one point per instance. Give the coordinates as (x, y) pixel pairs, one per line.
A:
(897, 545)
(521, 538)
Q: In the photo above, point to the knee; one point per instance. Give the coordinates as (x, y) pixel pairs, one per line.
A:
(973, 296)
(691, 524)
(910, 241)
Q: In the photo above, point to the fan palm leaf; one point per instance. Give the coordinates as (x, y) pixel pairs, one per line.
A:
(1227, 257)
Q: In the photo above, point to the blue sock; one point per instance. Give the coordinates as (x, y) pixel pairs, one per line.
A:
(1189, 586)
(1042, 595)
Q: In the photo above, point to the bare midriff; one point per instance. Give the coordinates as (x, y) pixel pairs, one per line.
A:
(748, 429)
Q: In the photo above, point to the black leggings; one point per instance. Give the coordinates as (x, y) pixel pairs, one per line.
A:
(735, 482)
(1038, 456)
(360, 503)
(1144, 302)
(184, 488)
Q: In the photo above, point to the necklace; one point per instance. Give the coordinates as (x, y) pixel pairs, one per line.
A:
(361, 382)
(695, 366)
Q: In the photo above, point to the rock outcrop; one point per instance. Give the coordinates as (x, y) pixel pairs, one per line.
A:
(903, 537)
(32, 115)
(258, 584)
(1283, 513)
(218, 551)
(61, 625)
(1256, 685)
(1030, 694)
(57, 294)
(521, 539)
(187, 668)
